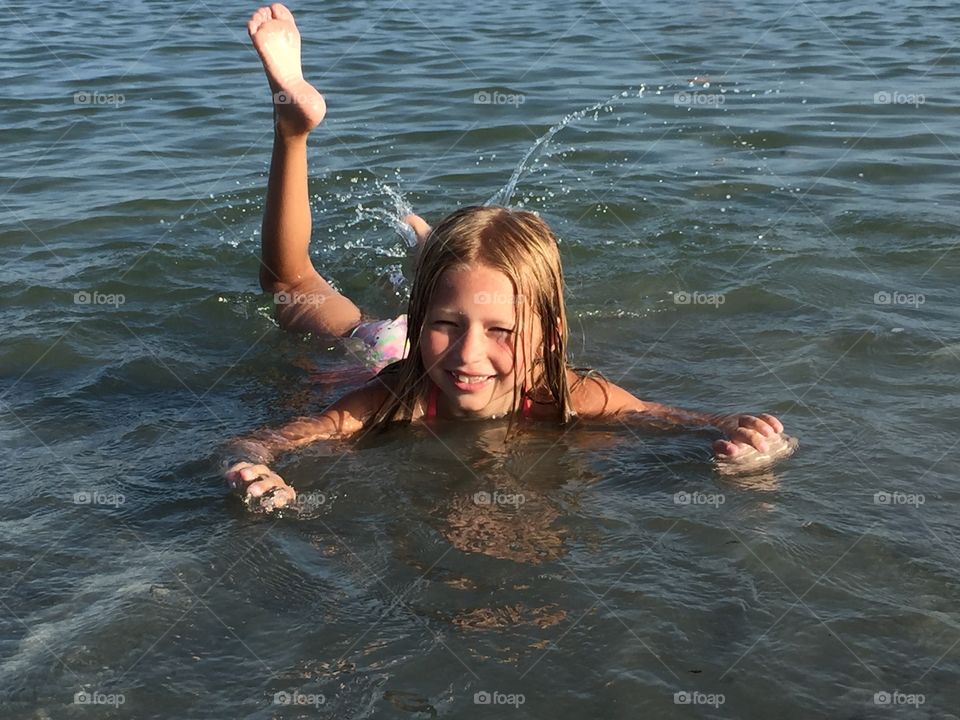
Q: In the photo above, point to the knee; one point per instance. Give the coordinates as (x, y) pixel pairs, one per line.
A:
(269, 282)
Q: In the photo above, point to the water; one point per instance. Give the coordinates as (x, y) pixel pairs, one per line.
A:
(776, 180)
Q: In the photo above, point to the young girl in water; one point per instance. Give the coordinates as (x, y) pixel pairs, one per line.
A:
(485, 335)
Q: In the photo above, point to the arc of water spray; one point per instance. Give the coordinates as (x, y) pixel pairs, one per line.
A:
(503, 195)
(402, 208)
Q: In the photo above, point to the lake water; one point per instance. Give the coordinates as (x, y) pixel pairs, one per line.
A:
(762, 217)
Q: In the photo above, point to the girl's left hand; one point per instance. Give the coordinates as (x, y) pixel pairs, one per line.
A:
(753, 443)
(745, 432)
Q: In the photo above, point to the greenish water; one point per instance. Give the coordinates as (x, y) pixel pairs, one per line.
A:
(811, 186)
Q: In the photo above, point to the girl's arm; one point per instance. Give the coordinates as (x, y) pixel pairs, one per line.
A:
(246, 466)
(748, 436)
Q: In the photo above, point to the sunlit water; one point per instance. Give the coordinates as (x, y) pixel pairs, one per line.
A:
(778, 234)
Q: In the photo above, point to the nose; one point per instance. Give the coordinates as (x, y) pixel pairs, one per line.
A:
(472, 346)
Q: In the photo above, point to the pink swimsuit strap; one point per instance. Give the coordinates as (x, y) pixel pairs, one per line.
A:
(525, 408)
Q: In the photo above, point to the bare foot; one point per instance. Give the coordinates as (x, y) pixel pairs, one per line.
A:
(299, 107)
(420, 227)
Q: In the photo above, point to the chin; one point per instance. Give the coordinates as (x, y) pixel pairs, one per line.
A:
(473, 406)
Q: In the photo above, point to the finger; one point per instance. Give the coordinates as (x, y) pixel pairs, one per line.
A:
(725, 448)
(252, 472)
(232, 473)
(749, 437)
(277, 498)
(782, 446)
(772, 422)
(262, 486)
(755, 423)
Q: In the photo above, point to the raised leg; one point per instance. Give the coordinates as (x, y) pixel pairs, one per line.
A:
(304, 301)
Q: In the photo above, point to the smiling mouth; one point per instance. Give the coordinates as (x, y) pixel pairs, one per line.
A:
(469, 381)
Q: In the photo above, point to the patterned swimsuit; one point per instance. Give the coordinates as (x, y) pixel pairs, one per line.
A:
(382, 341)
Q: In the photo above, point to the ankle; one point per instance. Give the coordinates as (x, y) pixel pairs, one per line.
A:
(284, 135)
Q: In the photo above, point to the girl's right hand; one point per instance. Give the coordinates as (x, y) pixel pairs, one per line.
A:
(259, 486)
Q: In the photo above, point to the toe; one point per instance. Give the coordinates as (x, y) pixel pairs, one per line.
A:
(280, 12)
(259, 17)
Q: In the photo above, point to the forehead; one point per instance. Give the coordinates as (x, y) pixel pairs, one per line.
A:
(478, 285)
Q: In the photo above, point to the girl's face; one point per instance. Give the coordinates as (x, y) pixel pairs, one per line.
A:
(467, 342)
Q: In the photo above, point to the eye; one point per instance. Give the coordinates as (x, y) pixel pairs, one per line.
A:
(502, 332)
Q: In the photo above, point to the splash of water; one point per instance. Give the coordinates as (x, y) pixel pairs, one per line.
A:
(397, 205)
(394, 215)
(503, 195)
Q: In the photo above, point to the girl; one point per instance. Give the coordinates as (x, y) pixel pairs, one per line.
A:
(485, 335)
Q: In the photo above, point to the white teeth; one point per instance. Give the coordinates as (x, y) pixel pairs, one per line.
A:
(468, 379)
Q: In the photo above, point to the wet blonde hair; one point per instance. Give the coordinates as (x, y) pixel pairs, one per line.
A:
(521, 246)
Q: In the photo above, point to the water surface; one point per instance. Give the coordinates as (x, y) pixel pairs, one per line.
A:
(796, 160)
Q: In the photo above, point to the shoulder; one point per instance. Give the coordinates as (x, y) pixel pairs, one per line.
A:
(593, 396)
(351, 412)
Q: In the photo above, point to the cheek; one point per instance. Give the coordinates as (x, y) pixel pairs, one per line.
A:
(501, 354)
(433, 345)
